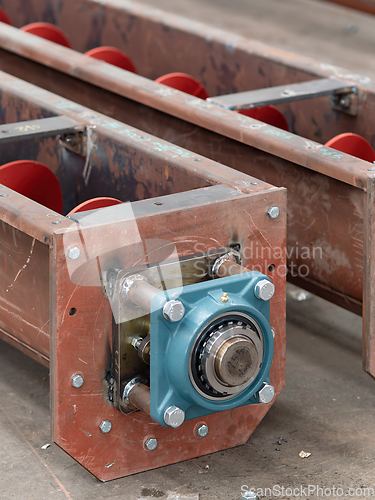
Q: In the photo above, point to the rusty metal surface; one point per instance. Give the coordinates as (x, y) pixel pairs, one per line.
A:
(77, 413)
(368, 357)
(222, 61)
(138, 166)
(227, 63)
(24, 300)
(336, 273)
(241, 128)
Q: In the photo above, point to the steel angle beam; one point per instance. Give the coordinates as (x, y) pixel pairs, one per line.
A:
(282, 93)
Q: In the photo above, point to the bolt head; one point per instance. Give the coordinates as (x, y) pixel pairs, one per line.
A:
(273, 212)
(77, 380)
(264, 290)
(202, 431)
(249, 495)
(105, 426)
(174, 416)
(173, 310)
(73, 253)
(266, 394)
(151, 444)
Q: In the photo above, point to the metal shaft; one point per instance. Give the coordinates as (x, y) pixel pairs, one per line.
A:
(139, 397)
(141, 293)
(230, 268)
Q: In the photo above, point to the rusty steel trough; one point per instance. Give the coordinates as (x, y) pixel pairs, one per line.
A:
(64, 321)
(330, 203)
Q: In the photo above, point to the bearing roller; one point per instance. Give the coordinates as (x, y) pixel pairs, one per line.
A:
(227, 356)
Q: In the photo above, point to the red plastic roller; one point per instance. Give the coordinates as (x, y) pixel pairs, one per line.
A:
(4, 17)
(49, 32)
(35, 181)
(114, 56)
(94, 204)
(185, 83)
(352, 144)
(267, 114)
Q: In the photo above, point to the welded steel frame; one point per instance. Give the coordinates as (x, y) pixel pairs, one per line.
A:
(225, 63)
(74, 331)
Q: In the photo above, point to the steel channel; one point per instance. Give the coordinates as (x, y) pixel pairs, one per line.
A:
(340, 285)
(145, 91)
(310, 118)
(38, 224)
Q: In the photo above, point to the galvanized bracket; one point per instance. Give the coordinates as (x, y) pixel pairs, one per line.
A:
(346, 102)
(344, 96)
(44, 127)
(75, 142)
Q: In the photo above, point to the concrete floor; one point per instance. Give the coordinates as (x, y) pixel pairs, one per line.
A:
(327, 407)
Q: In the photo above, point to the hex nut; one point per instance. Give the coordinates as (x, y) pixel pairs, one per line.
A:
(151, 444)
(73, 253)
(173, 310)
(77, 380)
(174, 416)
(266, 394)
(264, 290)
(202, 431)
(105, 426)
(273, 212)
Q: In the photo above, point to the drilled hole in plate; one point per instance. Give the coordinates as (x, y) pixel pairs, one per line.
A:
(72, 311)
(158, 203)
(271, 268)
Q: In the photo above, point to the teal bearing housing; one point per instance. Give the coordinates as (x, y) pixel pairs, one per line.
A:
(185, 354)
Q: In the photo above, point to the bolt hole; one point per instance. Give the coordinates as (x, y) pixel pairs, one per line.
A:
(271, 268)
(158, 203)
(72, 311)
(5, 131)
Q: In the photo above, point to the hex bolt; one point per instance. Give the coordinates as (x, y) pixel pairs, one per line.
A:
(174, 416)
(345, 101)
(273, 212)
(73, 253)
(266, 394)
(105, 426)
(264, 290)
(202, 431)
(249, 495)
(173, 310)
(151, 444)
(77, 380)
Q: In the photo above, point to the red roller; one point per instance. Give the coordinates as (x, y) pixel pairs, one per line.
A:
(49, 32)
(185, 83)
(114, 56)
(94, 204)
(267, 114)
(4, 17)
(34, 180)
(352, 144)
